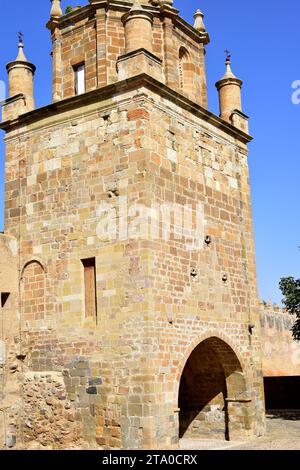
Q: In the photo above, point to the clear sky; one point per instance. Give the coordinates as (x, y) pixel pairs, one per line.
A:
(264, 40)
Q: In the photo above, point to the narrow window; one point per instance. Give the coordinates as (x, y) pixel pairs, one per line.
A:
(4, 298)
(182, 55)
(89, 266)
(79, 71)
(181, 72)
(184, 72)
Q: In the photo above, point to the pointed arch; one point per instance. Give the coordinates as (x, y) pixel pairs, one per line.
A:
(211, 333)
(30, 261)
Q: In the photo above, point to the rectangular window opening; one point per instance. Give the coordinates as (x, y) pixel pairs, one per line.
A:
(79, 71)
(89, 266)
(4, 298)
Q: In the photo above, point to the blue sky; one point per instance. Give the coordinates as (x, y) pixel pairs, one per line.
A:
(264, 39)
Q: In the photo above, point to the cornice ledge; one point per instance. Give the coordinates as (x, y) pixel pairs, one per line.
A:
(121, 87)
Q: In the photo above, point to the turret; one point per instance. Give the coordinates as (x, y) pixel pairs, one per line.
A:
(229, 88)
(230, 98)
(20, 85)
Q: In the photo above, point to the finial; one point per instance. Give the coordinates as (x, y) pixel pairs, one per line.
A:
(228, 57)
(20, 36)
(56, 11)
(199, 23)
(21, 56)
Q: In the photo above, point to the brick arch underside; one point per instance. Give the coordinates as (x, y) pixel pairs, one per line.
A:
(212, 375)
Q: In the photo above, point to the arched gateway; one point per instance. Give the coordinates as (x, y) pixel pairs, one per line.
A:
(213, 397)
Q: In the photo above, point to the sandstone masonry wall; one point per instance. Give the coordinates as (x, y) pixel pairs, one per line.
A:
(121, 372)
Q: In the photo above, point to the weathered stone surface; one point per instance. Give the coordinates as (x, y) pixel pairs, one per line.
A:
(281, 354)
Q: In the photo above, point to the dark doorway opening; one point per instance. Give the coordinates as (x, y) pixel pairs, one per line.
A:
(212, 376)
(282, 393)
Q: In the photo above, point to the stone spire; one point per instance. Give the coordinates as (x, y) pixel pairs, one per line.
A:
(21, 56)
(199, 23)
(228, 73)
(56, 11)
(229, 88)
(21, 60)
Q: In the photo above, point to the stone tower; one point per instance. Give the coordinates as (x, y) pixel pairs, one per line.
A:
(129, 231)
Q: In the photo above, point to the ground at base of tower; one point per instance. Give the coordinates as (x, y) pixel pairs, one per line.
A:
(283, 431)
